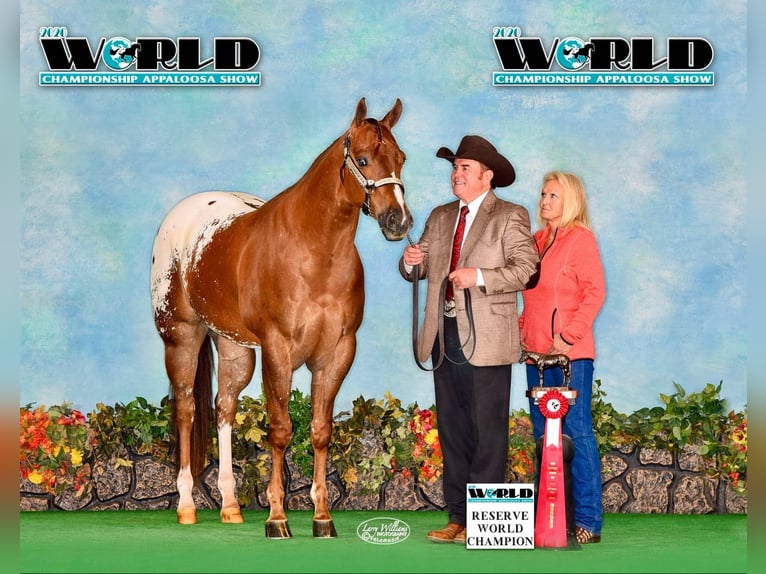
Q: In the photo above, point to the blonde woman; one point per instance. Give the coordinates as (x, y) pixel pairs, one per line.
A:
(557, 318)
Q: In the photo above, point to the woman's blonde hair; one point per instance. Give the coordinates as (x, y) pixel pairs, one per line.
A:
(575, 207)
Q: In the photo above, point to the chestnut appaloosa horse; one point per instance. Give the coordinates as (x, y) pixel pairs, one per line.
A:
(283, 275)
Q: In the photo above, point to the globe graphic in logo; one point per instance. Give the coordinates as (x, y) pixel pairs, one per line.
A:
(118, 53)
(572, 53)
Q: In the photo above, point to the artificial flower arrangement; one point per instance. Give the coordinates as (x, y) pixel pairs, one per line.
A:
(52, 448)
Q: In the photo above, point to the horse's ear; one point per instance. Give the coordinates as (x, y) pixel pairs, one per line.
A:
(393, 115)
(361, 112)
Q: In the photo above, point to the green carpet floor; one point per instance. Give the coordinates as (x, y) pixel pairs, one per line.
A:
(151, 541)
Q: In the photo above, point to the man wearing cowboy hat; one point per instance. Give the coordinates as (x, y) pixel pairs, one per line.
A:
(487, 251)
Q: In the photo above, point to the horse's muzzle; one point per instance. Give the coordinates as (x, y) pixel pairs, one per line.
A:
(395, 224)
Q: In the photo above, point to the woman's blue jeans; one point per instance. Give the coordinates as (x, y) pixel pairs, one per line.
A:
(578, 425)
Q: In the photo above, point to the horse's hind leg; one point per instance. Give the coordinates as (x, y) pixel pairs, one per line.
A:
(567, 368)
(235, 369)
(181, 356)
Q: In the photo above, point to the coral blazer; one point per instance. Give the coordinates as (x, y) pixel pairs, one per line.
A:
(568, 296)
(500, 243)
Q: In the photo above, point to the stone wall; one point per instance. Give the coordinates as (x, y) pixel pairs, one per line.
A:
(635, 480)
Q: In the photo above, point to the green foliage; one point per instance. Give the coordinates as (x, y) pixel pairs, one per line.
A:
(376, 439)
(144, 424)
(300, 444)
(699, 421)
(139, 425)
(248, 446)
(372, 441)
(693, 419)
(521, 448)
(609, 425)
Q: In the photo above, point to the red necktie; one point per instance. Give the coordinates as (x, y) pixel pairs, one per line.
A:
(457, 242)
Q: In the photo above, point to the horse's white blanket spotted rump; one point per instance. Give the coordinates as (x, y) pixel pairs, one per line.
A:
(187, 230)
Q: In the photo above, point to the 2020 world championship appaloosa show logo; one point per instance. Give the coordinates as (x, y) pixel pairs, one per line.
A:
(147, 61)
(600, 61)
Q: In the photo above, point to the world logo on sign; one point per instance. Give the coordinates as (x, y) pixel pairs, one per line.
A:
(147, 60)
(601, 60)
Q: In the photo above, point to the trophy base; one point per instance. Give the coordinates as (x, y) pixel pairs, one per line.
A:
(537, 393)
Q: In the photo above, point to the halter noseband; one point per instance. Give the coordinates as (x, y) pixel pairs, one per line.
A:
(369, 185)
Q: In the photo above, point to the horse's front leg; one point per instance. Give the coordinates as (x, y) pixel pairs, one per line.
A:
(325, 384)
(277, 379)
(235, 369)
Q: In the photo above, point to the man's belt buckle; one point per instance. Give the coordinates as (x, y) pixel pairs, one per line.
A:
(449, 309)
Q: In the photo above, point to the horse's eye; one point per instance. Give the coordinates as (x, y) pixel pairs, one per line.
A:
(362, 161)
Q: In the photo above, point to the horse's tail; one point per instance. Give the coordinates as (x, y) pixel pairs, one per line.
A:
(203, 401)
(203, 396)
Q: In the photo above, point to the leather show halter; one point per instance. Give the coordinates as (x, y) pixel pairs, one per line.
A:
(369, 185)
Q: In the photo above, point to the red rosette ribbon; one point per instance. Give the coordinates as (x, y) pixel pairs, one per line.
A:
(553, 405)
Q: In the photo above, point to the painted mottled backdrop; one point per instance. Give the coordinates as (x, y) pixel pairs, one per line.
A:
(664, 169)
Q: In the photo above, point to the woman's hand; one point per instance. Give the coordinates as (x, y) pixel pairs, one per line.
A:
(559, 346)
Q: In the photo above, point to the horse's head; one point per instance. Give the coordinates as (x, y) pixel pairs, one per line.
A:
(373, 159)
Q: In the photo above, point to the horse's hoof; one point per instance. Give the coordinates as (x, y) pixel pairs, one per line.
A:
(278, 529)
(231, 516)
(324, 529)
(186, 516)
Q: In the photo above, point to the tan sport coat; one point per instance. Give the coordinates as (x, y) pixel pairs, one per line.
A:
(500, 243)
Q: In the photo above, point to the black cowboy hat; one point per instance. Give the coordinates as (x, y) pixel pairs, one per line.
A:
(479, 149)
